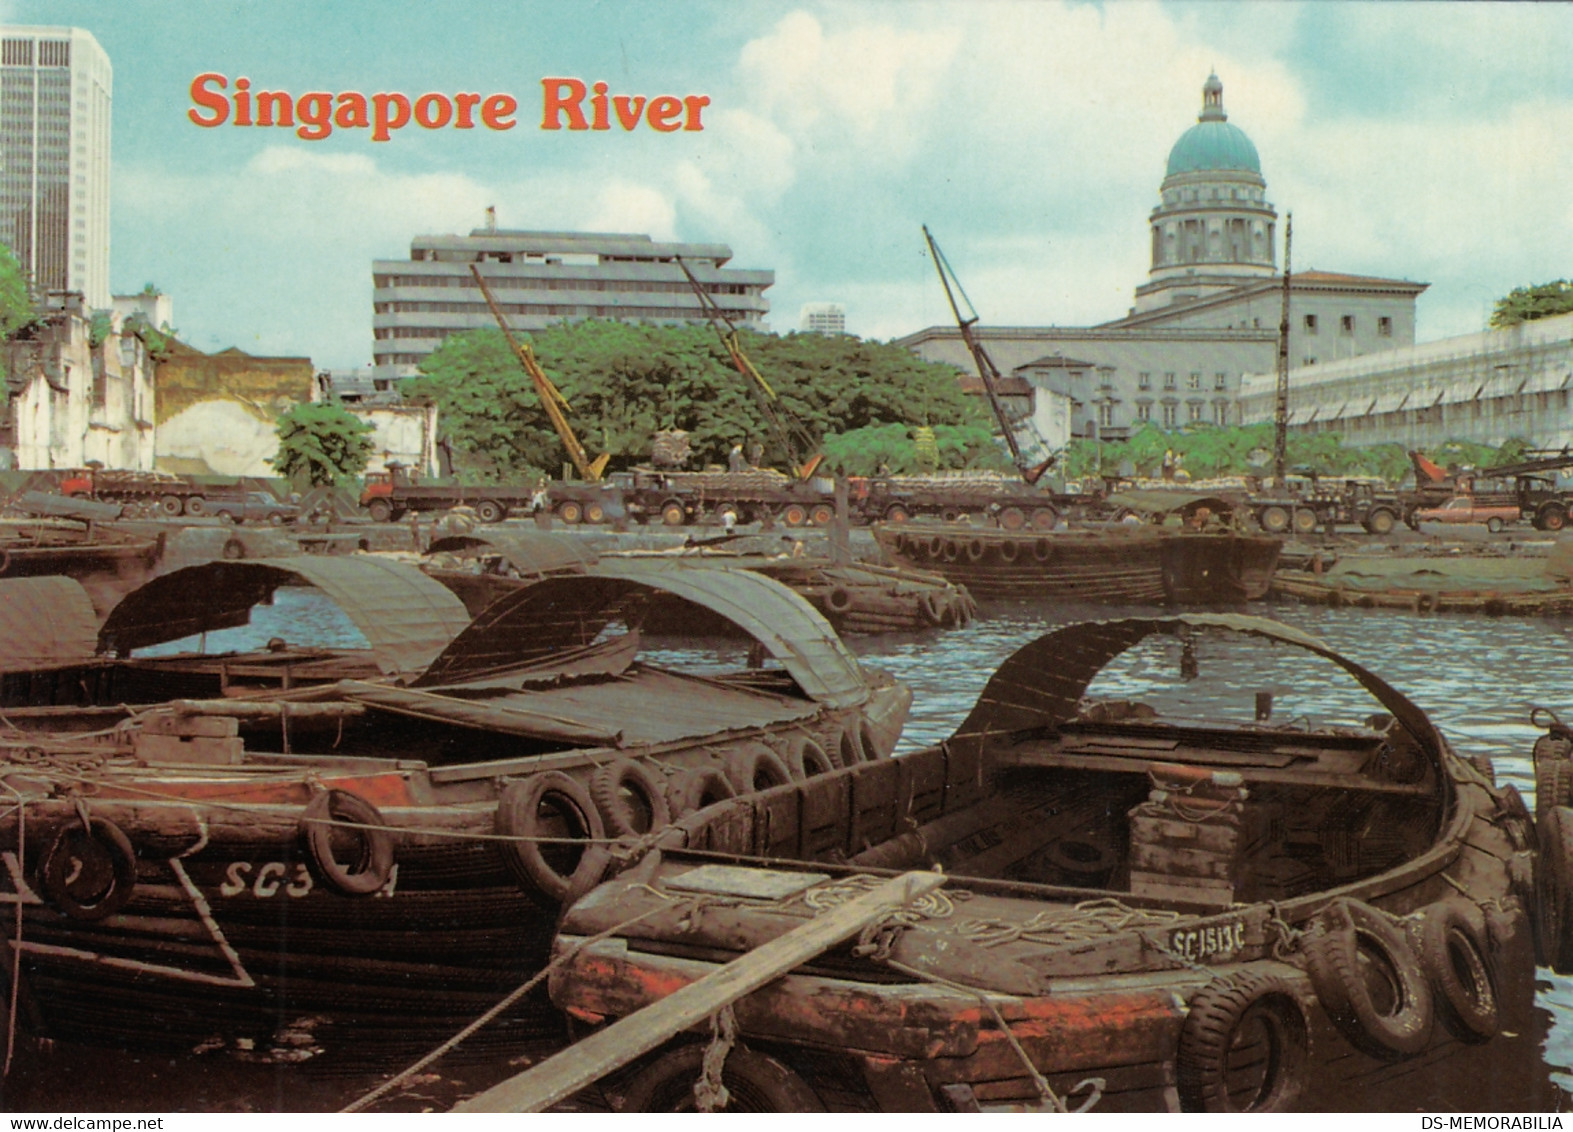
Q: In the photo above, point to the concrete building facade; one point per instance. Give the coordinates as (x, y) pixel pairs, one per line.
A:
(540, 278)
(1487, 387)
(55, 90)
(75, 397)
(1209, 311)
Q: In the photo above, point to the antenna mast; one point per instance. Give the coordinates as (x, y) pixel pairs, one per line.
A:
(1281, 407)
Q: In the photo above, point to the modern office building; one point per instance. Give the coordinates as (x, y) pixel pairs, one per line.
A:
(1209, 310)
(55, 88)
(539, 278)
(823, 318)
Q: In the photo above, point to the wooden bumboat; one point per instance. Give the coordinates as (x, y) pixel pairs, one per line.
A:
(1139, 913)
(1116, 562)
(369, 864)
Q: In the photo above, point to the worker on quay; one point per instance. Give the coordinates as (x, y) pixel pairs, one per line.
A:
(735, 461)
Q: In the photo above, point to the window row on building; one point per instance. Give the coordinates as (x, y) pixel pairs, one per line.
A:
(1346, 325)
(541, 310)
(532, 283)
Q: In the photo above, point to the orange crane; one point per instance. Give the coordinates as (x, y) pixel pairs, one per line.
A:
(555, 403)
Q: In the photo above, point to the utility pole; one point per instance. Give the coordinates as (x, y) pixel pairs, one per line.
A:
(1281, 407)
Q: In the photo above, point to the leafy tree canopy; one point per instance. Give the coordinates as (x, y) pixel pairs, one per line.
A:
(1209, 451)
(322, 443)
(627, 381)
(16, 306)
(1525, 304)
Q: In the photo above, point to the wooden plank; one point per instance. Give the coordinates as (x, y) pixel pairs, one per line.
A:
(565, 1073)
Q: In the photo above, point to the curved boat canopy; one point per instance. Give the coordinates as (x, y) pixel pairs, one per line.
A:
(1041, 684)
(531, 553)
(568, 612)
(44, 621)
(406, 617)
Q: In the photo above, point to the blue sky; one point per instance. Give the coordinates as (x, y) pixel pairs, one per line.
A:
(1418, 141)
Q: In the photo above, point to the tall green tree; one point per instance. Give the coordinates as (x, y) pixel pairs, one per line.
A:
(1525, 304)
(322, 443)
(16, 306)
(626, 381)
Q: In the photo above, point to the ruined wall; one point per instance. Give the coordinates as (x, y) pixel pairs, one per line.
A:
(223, 408)
(69, 402)
(404, 434)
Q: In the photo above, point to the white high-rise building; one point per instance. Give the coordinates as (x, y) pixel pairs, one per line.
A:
(55, 86)
(823, 318)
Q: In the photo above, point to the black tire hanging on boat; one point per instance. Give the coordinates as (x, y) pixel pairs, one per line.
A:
(755, 767)
(849, 745)
(703, 786)
(1345, 932)
(546, 866)
(373, 862)
(1010, 550)
(1554, 891)
(1456, 960)
(807, 759)
(621, 789)
(838, 600)
(1218, 1033)
(1553, 784)
(89, 871)
(755, 1082)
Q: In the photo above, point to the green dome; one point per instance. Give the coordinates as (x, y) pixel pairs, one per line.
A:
(1212, 143)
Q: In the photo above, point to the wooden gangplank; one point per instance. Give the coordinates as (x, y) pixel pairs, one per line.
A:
(564, 1074)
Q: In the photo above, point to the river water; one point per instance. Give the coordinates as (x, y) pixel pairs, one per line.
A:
(1478, 679)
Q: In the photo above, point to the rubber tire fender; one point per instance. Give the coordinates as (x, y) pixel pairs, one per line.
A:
(1009, 550)
(687, 792)
(375, 863)
(56, 867)
(752, 762)
(976, 550)
(838, 600)
(606, 791)
(518, 816)
(1554, 891)
(932, 604)
(849, 746)
(1456, 960)
(807, 759)
(755, 1081)
(1333, 948)
(1214, 1022)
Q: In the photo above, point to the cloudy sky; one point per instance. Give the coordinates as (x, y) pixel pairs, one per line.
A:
(1419, 141)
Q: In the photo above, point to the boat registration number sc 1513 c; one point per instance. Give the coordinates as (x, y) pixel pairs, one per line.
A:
(1200, 943)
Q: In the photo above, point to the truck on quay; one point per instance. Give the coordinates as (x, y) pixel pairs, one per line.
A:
(1530, 485)
(146, 493)
(390, 495)
(1313, 502)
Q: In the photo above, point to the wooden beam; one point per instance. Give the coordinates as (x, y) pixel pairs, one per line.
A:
(565, 1073)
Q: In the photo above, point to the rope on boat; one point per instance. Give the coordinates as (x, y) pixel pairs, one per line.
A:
(935, 905)
(1060, 927)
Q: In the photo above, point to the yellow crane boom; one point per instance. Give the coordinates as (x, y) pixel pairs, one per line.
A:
(555, 403)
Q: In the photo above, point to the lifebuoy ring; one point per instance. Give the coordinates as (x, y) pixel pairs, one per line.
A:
(1042, 549)
(1010, 550)
(630, 797)
(756, 767)
(1457, 963)
(838, 600)
(703, 786)
(373, 860)
(554, 824)
(1222, 1066)
(89, 870)
(807, 759)
(754, 1082)
(1350, 945)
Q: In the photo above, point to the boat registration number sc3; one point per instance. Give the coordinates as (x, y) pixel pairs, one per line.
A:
(1200, 943)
